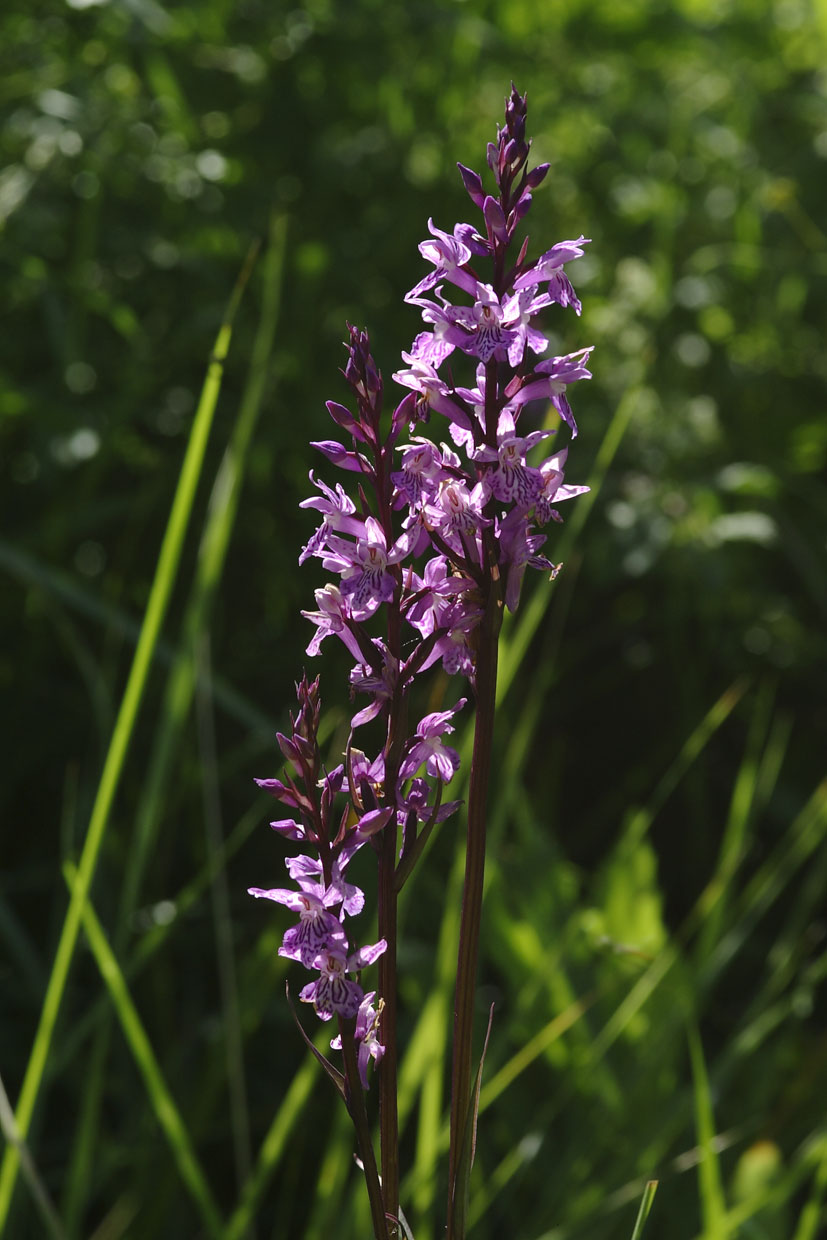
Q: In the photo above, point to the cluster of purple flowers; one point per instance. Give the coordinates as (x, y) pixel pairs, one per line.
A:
(434, 529)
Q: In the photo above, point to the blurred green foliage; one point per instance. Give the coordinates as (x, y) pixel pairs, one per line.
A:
(659, 869)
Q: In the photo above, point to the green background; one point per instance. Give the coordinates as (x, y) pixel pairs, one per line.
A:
(658, 826)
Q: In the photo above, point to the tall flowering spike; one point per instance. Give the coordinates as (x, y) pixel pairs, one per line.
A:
(413, 549)
(425, 546)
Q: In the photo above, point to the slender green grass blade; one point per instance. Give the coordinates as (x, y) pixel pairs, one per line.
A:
(88, 668)
(660, 967)
(116, 1222)
(87, 1131)
(30, 1173)
(813, 1212)
(215, 540)
(773, 759)
(165, 575)
(645, 1208)
(690, 751)
(156, 1087)
(532, 1050)
(274, 1145)
(153, 940)
(181, 684)
(803, 837)
(741, 807)
(713, 1205)
(20, 949)
(514, 1163)
(334, 1172)
(743, 1219)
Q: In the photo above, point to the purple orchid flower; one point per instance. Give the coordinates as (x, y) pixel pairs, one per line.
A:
(432, 391)
(427, 594)
(457, 513)
(332, 617)
(364, 567)
(419, 474)
(449, 254)
(366, 1034)
(455, 647)
(550, 267)
(332, 994)
(519, 310)
(380, 684)
(306, 872)
(551, 379)
(417, 802)
(441, 762)
(339, 455)
(518, 550)
(338, 509)
(511, 479)
(554, 490)
(435, 346)
(481, 330)
(318, 930)
(290, 829)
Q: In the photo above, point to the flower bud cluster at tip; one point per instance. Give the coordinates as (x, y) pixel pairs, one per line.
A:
(416, 543)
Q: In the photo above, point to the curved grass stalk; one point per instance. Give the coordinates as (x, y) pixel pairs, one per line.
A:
(157, 1090)
(165, 576)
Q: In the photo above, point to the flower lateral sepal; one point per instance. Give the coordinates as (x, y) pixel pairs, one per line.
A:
(330, 1070)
